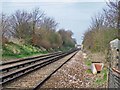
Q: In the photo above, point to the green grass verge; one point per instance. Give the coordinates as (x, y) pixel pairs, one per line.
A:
(88, 62)
(13, 51)
(88, 71)
(102, 79)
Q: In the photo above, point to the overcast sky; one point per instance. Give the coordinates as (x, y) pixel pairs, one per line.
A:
(74, 15)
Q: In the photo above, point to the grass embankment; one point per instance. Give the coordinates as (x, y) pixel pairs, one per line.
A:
(12, 51)
(100, 79)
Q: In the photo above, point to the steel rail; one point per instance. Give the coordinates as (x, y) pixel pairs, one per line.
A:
(7, 77)
(31, 61)
(23, 71)
(27, 58)
(38, 85)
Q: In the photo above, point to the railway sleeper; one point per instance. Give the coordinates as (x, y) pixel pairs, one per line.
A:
(29, 63)
(32, 68)
(20, 66)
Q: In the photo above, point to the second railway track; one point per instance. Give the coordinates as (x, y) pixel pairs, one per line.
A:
(9, 75)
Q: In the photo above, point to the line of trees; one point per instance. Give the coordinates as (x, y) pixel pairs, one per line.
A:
(35, 28)
(103, 29)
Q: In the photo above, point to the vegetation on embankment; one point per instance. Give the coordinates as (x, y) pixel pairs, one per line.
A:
(31, 32)
(103, 29)
(12, 51)
(99, 39)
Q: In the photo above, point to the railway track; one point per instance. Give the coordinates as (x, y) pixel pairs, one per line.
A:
(39, 84)
(25, 59)
(14, 68)
(18, 69)
(7, 67)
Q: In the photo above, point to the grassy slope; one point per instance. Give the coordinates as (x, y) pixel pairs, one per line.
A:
(12, 50)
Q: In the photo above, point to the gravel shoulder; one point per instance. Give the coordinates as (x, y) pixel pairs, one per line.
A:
(74, 74)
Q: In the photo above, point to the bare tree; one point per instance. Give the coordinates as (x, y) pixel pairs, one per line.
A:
(46, 34)
(37, 17)
(49, 23)
(111, 14)
(103, 28)
(5, 25)
(5, 28)
(98, 21)
(21, 25)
